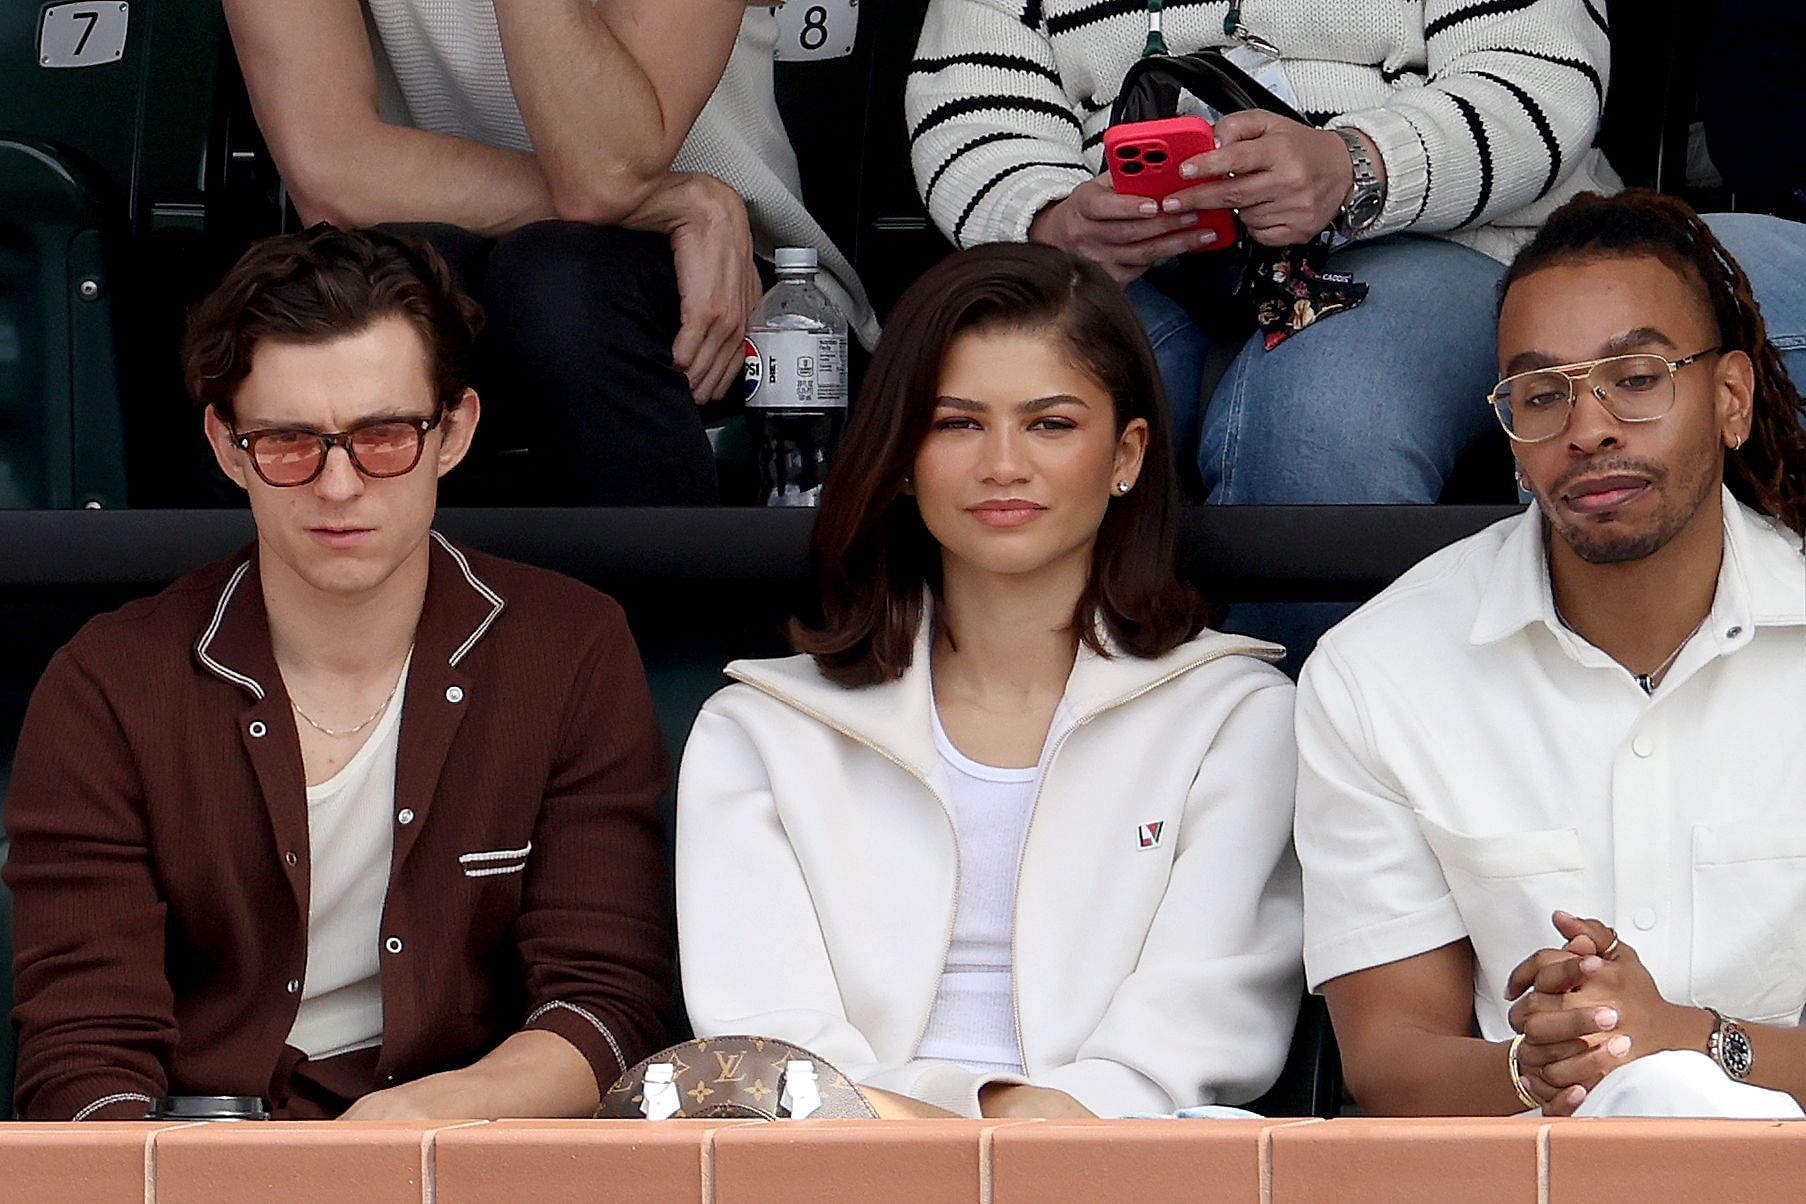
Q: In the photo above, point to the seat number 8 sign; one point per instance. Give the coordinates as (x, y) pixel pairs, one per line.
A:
(816, 29)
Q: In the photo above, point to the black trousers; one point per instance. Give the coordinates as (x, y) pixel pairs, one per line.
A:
(582, 405)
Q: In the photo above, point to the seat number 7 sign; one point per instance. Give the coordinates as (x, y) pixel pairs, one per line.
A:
(816, 29)
(84, 34)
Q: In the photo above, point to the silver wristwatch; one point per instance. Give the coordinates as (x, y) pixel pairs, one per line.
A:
(1729, 1046)
(1368, 198)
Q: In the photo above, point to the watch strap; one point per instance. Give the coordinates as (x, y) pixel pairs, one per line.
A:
(1729, 1046)
(1366, 182)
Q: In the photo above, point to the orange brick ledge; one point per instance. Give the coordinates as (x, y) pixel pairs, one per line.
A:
(1353, 1161)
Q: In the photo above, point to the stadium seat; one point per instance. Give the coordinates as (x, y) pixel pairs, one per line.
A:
(61, 434)
(1652, 100)
(1311, 1082)
(845, 119)
(124, 188)
(897, 241)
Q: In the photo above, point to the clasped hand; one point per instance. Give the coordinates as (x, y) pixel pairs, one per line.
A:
(1585, 1009)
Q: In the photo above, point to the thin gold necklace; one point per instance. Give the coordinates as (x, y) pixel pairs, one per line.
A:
(337, 733)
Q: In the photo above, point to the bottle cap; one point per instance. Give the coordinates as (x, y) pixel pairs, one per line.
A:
(797, 257)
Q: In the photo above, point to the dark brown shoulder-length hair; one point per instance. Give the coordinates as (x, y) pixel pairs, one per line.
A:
(874, 557)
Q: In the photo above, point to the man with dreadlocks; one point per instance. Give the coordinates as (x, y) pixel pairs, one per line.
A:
(1590, 710)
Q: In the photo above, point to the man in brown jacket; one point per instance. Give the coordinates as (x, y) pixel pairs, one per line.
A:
(356, 821)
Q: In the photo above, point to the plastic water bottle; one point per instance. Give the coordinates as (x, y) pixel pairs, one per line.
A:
(796, 382)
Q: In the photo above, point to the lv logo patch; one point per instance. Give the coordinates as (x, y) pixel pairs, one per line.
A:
(1149, 834)
(730, 1067)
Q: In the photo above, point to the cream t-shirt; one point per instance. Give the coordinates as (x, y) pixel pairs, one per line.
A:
(351, 835)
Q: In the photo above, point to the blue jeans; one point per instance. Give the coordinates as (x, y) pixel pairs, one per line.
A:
(1377, 404)
(1772, 253)
(1372, 405)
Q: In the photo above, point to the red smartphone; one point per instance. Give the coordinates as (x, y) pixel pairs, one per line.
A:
(1144, 159)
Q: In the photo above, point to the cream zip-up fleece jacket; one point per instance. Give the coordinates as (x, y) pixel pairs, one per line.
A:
(1158, 936)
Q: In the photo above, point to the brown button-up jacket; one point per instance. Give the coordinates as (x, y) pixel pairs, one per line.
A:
(160, 866)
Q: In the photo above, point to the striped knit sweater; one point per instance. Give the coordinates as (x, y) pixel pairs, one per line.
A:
(1483, 110)
(444, 58)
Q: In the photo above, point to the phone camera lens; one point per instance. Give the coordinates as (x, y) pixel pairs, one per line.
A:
(1154, 156)
(1128, 152)
(1131, 169)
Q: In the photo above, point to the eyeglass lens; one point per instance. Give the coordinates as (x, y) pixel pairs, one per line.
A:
(382, 449)
(1536, 405)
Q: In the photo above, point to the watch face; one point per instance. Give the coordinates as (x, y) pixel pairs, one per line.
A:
(1739, 1058)
(1364, 210)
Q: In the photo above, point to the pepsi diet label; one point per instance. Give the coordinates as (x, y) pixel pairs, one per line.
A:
(795, 369)
(755, 371)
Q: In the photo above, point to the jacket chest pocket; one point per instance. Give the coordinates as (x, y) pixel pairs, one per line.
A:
(492, 879)
(1506, 885)
(1748, 956)
(495, 863)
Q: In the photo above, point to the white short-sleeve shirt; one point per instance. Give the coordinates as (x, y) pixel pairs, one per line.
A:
(1467, 764)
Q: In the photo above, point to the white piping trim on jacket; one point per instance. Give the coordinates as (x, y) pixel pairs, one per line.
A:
(498, 855)
(219, 614)
(118, 1097)
(588, 1015)
(516, 868)
(476, 583)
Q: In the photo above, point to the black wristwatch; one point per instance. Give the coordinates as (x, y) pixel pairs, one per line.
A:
(1365, 202)
(1729, 1046)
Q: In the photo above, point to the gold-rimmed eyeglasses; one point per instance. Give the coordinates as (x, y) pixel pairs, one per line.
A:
(1536, 405)
(381, 448)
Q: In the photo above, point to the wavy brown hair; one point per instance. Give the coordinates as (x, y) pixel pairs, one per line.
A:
(874, 557)
(323, 283)
(1769, 471)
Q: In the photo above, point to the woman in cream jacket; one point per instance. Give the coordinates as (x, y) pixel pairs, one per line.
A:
(1012, 837)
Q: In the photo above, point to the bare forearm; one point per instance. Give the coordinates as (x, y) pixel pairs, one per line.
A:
(389, 173)
(602, 128)
(313, 86)
(535, 1074)
(1410, 1073)
(529, 1074)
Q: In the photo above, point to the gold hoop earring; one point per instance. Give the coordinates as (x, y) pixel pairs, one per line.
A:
(1738, 444)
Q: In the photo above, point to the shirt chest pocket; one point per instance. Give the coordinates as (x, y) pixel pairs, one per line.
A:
(1749, 919)
(1506, 885)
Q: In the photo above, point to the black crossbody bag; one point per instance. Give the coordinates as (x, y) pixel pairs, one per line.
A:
(1286, 288)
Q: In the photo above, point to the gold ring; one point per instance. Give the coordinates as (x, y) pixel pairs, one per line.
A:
(1609, 949)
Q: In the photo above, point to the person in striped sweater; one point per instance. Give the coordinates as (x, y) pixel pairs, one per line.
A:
(1476, 119)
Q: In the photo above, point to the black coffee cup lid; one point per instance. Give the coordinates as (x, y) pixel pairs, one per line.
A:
(209, 1107)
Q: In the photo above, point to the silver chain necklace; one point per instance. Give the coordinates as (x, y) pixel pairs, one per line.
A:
(337, 733)
(1648, 680)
